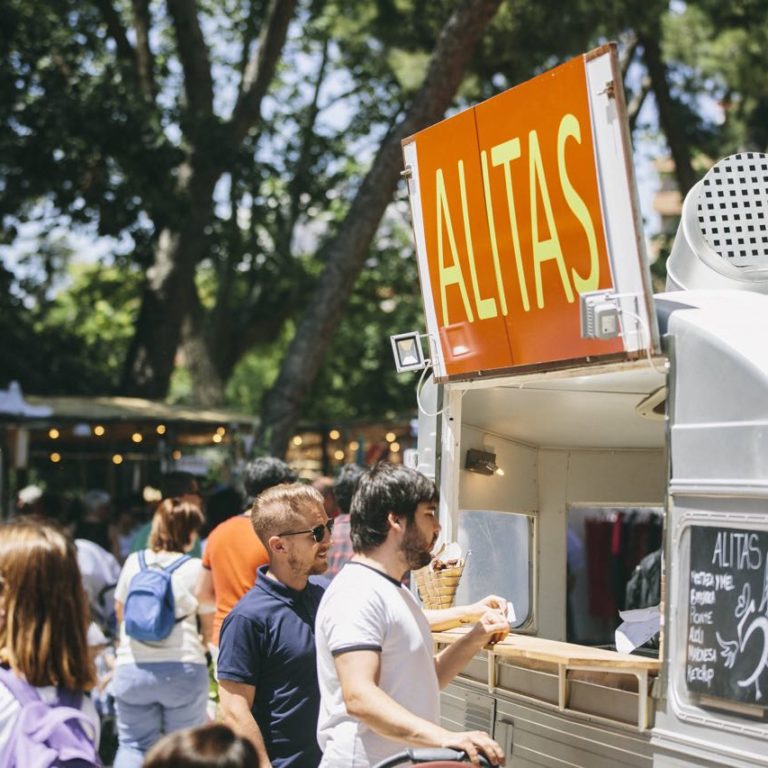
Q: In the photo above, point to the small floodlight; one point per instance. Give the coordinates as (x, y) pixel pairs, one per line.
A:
(482, 462)
(408, 353)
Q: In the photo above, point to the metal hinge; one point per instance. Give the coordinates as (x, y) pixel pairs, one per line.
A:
(609, 90)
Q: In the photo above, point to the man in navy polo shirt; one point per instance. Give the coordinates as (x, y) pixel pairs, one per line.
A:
(266, 668)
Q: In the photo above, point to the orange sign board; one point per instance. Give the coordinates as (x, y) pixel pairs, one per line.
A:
(510, 208)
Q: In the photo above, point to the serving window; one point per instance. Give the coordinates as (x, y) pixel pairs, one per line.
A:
(605, 547)
(500, 560)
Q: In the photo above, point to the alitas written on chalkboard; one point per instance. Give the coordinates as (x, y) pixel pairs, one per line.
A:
(728, 615)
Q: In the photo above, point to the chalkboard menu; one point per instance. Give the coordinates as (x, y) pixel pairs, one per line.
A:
(727, 644)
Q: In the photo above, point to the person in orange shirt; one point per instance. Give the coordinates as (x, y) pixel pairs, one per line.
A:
(233, 552)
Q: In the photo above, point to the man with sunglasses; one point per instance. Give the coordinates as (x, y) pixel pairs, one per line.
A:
(266, 669)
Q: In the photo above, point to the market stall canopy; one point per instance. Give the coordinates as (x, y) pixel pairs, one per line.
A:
(12, 403)
(134, 408)
(15, 408)
(79, 425)
(118, 443)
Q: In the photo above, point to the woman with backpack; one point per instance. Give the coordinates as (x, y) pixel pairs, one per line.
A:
(45, 667)
(161, 674)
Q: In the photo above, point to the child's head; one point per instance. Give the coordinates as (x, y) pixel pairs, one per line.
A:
(43, 607)
(209, 746)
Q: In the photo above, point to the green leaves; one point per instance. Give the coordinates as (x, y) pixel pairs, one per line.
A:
(99, 133)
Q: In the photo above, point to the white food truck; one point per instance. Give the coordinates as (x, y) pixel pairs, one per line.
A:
(577, 424)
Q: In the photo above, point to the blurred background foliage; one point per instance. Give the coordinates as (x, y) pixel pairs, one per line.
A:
(126, 181)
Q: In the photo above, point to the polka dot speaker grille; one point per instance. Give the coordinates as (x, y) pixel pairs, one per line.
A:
(733, 209)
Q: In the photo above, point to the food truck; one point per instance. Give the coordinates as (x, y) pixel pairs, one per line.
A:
(577, 425)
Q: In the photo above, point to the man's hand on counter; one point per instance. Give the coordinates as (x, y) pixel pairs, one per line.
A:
(492, 628)
(441, 619)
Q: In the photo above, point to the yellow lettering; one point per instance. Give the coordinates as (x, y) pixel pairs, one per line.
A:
(543, 250)
(485, 307)
(492, 233)
(569, 126)
(504, 154)
(448, 275)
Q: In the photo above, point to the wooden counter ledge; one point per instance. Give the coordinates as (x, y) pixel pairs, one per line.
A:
(566, 663)
(556, 652)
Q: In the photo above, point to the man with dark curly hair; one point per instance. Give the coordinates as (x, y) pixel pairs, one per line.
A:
(379, 681)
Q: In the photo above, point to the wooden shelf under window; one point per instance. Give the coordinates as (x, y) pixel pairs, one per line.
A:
(564, 675)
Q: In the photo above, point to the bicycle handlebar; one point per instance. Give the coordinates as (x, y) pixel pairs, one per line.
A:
(427, 755)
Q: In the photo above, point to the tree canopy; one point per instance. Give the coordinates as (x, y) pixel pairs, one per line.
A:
(243, 157)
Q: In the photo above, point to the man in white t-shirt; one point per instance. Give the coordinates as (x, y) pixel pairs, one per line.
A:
(379, 683)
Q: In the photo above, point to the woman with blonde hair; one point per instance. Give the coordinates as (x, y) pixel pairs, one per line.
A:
(161, 685)
(43, 638)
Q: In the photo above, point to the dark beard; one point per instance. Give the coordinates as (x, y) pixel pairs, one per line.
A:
(413, 548)
(318, 568)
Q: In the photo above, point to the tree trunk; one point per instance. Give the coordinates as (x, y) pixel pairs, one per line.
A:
(756, 139)
(348, 249)
(169, 290)
(166, 297)
(208, 384)
(669, 115)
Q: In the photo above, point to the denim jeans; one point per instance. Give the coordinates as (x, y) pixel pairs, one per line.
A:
(154, 699)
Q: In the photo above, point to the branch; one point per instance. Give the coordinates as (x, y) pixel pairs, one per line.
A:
(261, 69)
(117, 32)
(136, 65)
(348, 249)
(145, 62)
(454, 48)
(305, 153)
(630, 47)
(249, 34)
(193, 53)
(637, 101)
(669, 113)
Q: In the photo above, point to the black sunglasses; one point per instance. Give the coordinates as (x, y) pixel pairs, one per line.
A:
(318, 532)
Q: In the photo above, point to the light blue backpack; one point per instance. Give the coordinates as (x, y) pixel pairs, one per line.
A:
(150, 607)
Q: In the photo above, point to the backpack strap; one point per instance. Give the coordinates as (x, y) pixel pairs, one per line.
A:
(25, 693)
(61, 715)
(22, 691)
(168, 569)
(101, 598)
(177, 564)
(69, 698)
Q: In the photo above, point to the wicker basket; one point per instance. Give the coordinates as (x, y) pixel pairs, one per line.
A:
(437, 589)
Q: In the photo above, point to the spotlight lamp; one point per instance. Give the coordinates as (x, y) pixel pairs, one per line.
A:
(408, 352)
(482, 462)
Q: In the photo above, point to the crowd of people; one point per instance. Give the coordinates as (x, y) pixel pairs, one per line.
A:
(286, 603)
